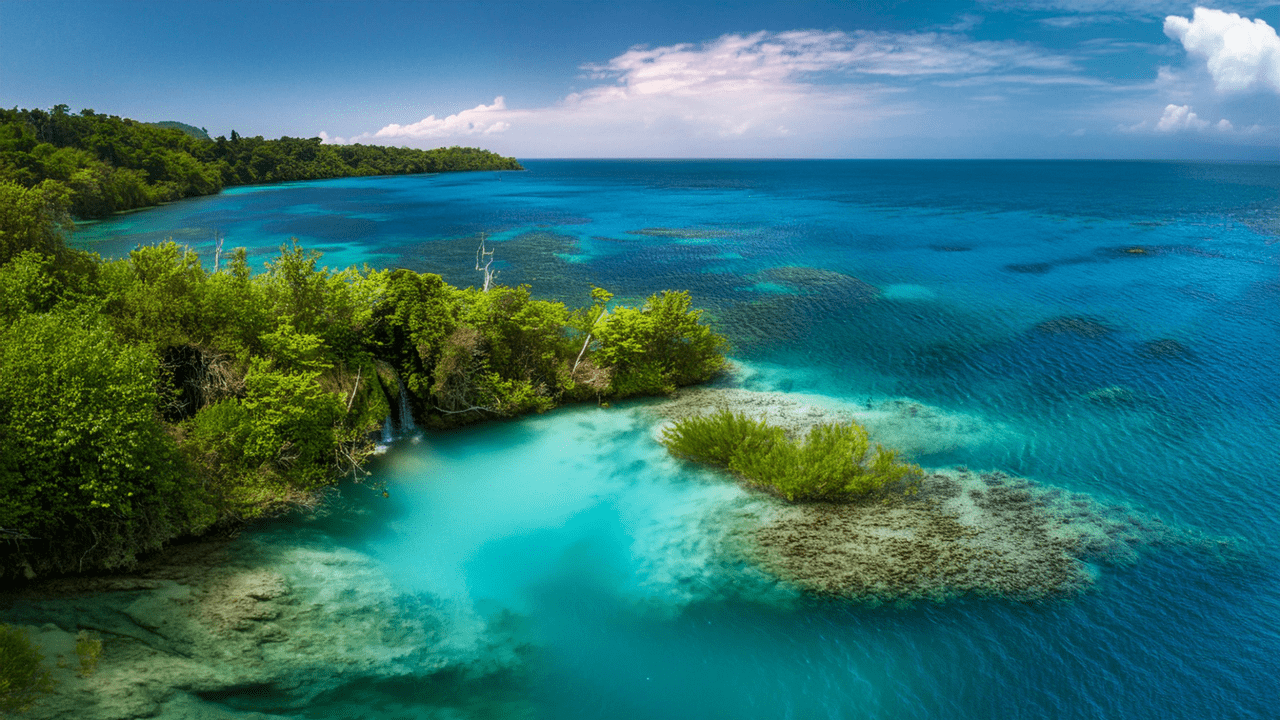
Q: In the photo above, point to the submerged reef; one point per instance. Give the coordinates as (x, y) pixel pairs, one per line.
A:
(288, 620)
(1086, 327)
(684, 233)
(811, 279)
(1164, 349)
(963, 533)
(960, 533)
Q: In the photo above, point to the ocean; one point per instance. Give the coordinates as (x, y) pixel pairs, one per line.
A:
(1105, 328)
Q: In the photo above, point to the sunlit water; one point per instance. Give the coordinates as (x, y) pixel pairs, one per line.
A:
(1108, 328)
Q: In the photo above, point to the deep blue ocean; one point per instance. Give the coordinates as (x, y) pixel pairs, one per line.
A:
(1108, 328)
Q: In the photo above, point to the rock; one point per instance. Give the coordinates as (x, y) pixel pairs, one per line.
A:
(301, 617)
(1086, 327)
(1164, 349)
(1111, 395)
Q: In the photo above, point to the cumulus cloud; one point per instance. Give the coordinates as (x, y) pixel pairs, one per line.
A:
(1180, 117)
(479, 120)
(797, 85)
(1240, 54)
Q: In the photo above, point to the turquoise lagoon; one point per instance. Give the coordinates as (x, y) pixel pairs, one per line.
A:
(1106, 328)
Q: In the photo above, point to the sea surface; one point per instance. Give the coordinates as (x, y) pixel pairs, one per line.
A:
(1108, 328)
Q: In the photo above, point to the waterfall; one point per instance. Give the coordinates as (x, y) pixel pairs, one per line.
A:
(398, 427)
(406, 411)
(387, 435)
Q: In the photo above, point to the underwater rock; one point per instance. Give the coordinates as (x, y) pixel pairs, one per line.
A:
(683, 233)
(804, 278)
(1164, 349)
(285, 620)
(964, 533)
(1083, 326)
(950, 248)
(1111, 395)
(1029, 268)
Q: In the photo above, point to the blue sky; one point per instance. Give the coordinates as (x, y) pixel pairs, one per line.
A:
(1027, 78)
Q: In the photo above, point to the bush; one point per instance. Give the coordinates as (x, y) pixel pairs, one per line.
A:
(89, 648)
(660, 347)
(23, 678)
(832, 463)
(83, 456)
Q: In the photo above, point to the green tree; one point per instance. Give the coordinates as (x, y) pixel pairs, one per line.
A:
(660, 347)
(86, 466)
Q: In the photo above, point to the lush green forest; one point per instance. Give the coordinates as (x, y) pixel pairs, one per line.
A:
(149, 398)
(92, 165)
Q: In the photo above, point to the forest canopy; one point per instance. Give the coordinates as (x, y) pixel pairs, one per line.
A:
(101, 164)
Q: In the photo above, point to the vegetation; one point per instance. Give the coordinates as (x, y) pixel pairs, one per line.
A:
(23, 678)
(90, 165)
(147, 398)
(89, 649)
(833, 463)
(198, 133)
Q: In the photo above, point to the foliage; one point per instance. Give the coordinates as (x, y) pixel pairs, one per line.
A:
(86, 466)
(659, 347)
(147, 398)
(32, 218)
(89, 649)
(832, 463)
(27, 285)
(106, 164)
(23, 678)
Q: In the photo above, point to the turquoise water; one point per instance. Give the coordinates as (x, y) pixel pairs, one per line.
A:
(1107, 328)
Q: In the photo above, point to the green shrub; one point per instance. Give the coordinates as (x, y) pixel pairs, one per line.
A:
(660, 347)
(23, 679)
(832, 463)
(718, 438)
(89, 648)
(83, 455)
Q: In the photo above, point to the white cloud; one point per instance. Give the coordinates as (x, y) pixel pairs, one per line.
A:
(1074, 21)
(1180, 117)
(479, 120)
(1240, 54)
(1224, 125)
(805, 86)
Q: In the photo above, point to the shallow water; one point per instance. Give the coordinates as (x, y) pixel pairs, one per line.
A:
(1108, 328)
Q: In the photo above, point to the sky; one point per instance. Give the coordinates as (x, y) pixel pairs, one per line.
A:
(1148, 79)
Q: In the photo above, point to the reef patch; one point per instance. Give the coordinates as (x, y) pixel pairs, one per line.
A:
(961, 533)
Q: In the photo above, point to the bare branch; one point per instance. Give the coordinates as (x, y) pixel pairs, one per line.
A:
(484, 260)
(354, 388)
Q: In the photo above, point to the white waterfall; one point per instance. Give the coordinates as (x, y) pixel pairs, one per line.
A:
(407, 428)
(387, 434)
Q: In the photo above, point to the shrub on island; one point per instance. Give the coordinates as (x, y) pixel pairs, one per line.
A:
(832, 463)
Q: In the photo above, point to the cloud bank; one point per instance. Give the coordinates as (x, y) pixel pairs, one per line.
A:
(760, 86)
(866, 93)
(1240, 54)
